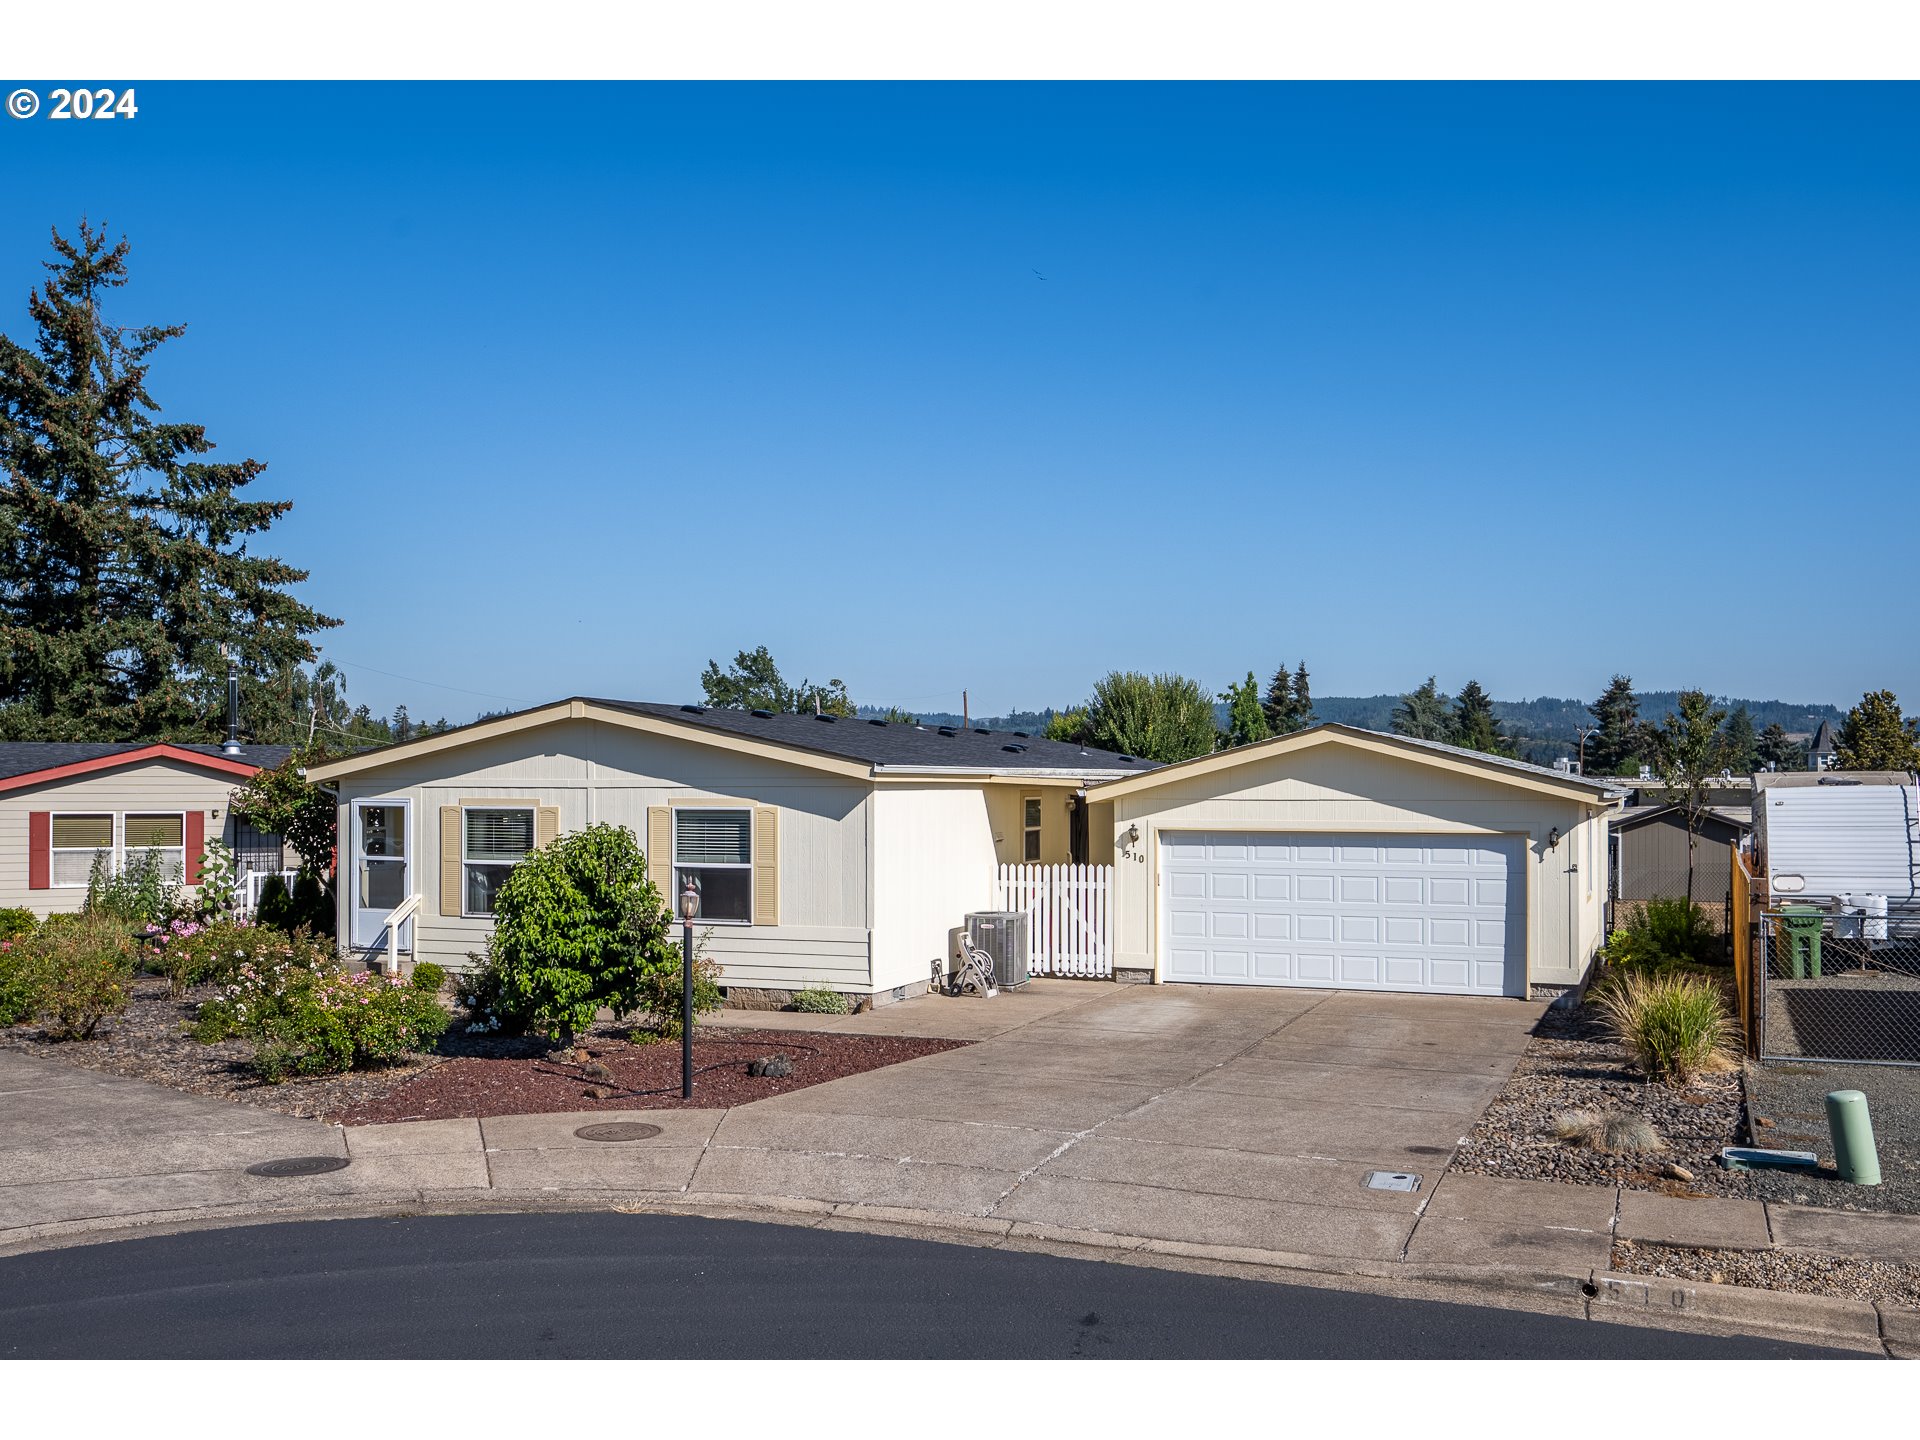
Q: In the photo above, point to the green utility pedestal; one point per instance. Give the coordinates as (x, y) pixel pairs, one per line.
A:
(1854, 1155)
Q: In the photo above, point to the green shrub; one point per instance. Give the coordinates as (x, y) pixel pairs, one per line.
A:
(306, 1014)
(427, 976)
(218, 894)
(480, 992)
(819, 1000)
(312, 904)
(274, 908)
(1662, 934)
(1675, 1025)
(201, 952)
(578, 926)
(16, 922)
(19, 981)
(140, 893)
(659, 992)
(71, 976)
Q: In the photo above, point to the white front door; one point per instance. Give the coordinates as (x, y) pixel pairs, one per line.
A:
(382, 868)
(1442, 913)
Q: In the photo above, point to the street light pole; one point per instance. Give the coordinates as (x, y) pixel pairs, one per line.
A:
(689, 908)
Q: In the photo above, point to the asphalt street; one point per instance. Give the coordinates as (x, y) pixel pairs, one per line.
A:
(662, 1286)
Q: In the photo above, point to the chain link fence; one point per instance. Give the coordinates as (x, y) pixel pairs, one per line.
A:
(1838, 986)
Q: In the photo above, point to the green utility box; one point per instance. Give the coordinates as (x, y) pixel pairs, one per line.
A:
(1800, 928)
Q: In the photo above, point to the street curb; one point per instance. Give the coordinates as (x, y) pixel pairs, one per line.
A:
(1601, 1295)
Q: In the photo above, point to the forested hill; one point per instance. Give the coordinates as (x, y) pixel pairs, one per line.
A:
(1547, 727)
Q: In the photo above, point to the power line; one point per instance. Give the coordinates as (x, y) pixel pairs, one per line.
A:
(431, 684)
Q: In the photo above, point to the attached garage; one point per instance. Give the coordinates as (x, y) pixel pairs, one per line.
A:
(1338, 858)
(1344, 912)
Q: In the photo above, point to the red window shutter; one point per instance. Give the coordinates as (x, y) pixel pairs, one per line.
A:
(40, 850)
(196, 838)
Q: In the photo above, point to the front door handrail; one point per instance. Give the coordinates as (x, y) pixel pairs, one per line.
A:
(397, 917)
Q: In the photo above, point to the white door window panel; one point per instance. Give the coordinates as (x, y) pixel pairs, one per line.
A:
(1438, 913)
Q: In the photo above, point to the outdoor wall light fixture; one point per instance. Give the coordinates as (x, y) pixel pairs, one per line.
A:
(1133, 835)
(1553, 838)
(689, 911)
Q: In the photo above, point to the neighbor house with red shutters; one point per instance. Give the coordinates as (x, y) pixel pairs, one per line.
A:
(66, 807)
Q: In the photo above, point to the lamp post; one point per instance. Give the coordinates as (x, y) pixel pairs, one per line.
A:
(689, 908)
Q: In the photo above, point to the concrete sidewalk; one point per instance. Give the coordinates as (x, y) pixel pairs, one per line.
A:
(1162, 1125)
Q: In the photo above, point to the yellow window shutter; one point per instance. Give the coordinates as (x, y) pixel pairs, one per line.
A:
(546, 826)
(766, 865)
(660, 850)
(450, 854)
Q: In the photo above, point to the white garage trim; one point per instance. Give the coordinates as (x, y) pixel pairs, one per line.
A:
(1446, 911)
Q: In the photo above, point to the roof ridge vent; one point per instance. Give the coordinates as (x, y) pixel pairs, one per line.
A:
(761, 714)
(948, 730)
(877, 722)
(828, 718)
(694, 709)
(1126, 760)
(1016, 749)
(1021, 734)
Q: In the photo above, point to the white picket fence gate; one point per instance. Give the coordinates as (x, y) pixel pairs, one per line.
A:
(1071, 906)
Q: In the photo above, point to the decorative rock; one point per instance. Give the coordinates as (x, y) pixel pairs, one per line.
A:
(773, 1067)
(596, 1071)
(1671, 1171)
(599, 1092)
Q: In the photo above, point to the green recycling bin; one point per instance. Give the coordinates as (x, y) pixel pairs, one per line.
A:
(1801, 927)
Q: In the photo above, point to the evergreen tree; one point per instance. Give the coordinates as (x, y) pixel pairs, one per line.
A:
(1739, 745)
(1779, 750)
(1474, 725)
(126, 566)
(1618, 746)
(1288, 703)
(401, 725)
(1302, 698)
(1424, 714)
(1246, 719)
(1875, 736)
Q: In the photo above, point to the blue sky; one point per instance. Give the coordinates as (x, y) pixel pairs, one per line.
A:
(575, 387)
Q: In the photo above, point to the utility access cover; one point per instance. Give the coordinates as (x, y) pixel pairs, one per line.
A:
(1392, 1180)
(617, 1130)
(298, 1165)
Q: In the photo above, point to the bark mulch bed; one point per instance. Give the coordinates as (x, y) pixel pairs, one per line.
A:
(468, 1076)
(1805, 1272)
(643, 1077)
(1573, 1064)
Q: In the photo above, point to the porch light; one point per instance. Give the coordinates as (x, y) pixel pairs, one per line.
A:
(1553, 838)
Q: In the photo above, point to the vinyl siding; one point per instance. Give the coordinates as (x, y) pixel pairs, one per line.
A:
(1331, 788)
(592, 774)
(155, 785)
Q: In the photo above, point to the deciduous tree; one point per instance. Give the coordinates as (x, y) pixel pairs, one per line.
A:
(754, 682)
(1686, 751)
(1156, 717)
(1246, 720)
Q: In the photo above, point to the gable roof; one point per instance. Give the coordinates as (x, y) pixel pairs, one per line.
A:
(1738, 817)
(854, 747)
(1824, 739)
(1453, 757)
(39, 762)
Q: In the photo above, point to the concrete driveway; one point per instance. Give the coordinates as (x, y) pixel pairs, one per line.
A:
(1214, 1115)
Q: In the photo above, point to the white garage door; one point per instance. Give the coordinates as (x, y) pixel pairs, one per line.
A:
(1351, 912)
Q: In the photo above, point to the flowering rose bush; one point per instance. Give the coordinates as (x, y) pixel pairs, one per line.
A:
(199, 952)
(307, 1014)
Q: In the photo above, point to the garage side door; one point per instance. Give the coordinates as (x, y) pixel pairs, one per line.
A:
(1436, 913)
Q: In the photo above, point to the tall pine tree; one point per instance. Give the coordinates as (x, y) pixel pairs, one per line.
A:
(125, 567)
(1288, 704)
(1474, 725)
(1424, 713)
(1619, 744)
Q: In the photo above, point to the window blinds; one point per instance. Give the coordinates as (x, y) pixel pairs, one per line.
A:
(712, 837)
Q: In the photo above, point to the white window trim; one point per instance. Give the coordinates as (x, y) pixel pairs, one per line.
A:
(533, 814)
(1038, 829)
(126, 850)
(673, 820)
(112, 847)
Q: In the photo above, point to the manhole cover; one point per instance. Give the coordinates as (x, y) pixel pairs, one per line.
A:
(298, 1165)
(1392, 1180)
(618, 1130)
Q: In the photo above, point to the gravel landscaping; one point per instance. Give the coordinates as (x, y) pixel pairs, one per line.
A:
(1573, 1064)
(469, 1075)
(1803, 1271)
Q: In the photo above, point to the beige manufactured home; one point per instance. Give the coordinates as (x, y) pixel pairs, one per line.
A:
(836, 852)
(66, 807)
(1341, 858)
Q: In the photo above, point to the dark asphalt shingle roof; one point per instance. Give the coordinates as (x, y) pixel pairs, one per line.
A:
(878, 743)
(24, 757)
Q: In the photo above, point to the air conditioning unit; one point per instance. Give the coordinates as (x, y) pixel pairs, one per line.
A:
(1003, 934)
